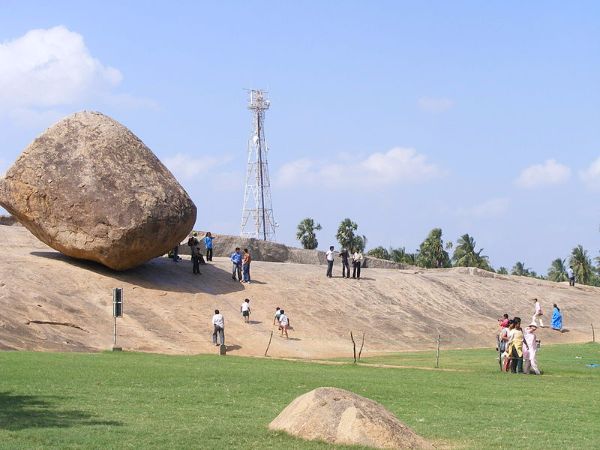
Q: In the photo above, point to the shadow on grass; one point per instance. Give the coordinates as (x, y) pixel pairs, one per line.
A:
(18, 412)
(158, 274)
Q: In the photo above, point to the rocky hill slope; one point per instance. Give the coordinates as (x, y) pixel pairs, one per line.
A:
(51, 302)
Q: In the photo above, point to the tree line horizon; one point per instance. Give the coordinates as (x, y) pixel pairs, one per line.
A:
(433, 253)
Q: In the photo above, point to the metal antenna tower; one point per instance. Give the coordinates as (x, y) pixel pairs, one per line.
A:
(257, 215)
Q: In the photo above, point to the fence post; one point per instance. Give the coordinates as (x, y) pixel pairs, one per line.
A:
(353, 346)
(593, 333)
(437, 352)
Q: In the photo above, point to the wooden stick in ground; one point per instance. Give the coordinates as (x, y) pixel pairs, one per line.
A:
(270, 338)
(353, 346)
(361, 346)
(593, 333)
(437, 352)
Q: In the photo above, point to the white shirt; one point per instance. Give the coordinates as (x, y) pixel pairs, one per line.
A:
(357, 257)
(245, 306)
(283, 319)
(329, 255)
(538, 308)
(218, 320)
(570, 272)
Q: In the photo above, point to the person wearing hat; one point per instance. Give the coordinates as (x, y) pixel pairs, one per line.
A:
(530, 350)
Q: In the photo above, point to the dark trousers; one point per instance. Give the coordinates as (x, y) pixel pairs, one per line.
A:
(516, 364)
(209, 254)
(218, 332)
(237, 270)
(196, 263)
(329, 268)
(356, 269)
(246, 272)
(345, 269)
(572, 281)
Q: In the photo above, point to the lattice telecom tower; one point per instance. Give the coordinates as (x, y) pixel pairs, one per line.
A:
(257, 216)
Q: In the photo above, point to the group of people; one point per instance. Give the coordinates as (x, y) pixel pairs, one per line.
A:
(518, 347)
(196, 251)
(357, 260)
(218, 321)
(241, 265)
(556, 321)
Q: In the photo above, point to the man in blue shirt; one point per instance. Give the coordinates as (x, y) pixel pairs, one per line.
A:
(236, 259)
(208, 243)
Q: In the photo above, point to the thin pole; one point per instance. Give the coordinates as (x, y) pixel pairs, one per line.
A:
(269, 344)
(115, 333)
(437, 352)
(593, 333)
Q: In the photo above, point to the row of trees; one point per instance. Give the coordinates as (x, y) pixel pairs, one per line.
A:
(434, 253)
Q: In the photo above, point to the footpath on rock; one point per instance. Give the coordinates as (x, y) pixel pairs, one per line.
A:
(51, 302)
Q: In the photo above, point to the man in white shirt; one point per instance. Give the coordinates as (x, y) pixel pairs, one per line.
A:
(284, 323)
(357, 259)
(245, 310)
(538, 313)
(571, 276)
(329, 255)
(219, 328)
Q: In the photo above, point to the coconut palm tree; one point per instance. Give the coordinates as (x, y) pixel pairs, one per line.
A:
(465, 254)
(306, 233)
(347, 238)
(519, 269)
(557, 271)
(582, 264)
(379, 252)
(502, 270)
(432, 252)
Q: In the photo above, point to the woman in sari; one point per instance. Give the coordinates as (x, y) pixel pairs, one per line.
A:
(556, 319)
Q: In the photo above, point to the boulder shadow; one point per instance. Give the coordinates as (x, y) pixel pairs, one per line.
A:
(233, 348)
(257, 282)
(20, 412)
(254, 322)
(160, 274)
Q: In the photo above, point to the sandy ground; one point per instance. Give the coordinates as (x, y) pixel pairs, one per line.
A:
(51, 302)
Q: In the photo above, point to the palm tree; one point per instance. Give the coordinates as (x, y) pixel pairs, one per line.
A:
(431, 251)
(400, 255)
(519, 269)
(347, 238)
(306, 233)
(466, 256)
(582, 264)
(557, 271)
(379, 252)
(502, 270)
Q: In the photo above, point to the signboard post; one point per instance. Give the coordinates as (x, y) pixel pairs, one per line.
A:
(117, 312)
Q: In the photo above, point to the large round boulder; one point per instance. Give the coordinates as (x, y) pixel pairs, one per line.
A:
(89, 188)
(342, 417)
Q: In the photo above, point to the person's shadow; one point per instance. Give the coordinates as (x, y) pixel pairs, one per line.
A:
(19, 412)
(160, 274)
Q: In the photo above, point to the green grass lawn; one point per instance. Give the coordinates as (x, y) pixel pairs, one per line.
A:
(132, 400)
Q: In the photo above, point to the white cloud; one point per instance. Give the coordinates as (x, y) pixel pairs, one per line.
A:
(398, 165)
(546, 174)
(591, 175)
(187, 167)
(495, 207)
(435, 105)
(46, 70)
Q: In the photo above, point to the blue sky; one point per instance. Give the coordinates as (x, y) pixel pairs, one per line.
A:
(476, 117)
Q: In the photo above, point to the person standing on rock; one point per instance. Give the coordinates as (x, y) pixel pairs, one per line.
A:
(246, 260)
(571, 275)
(218, 328)
(284, 324)
(329, 256)
(208, 243)
(236, 259)
(345, 266)
(357, 259)
(196, 257)
(245, 310)
(537, 315)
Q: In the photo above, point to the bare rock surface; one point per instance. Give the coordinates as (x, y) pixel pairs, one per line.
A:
(169, 310)
(338, 416)
(89, 188)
